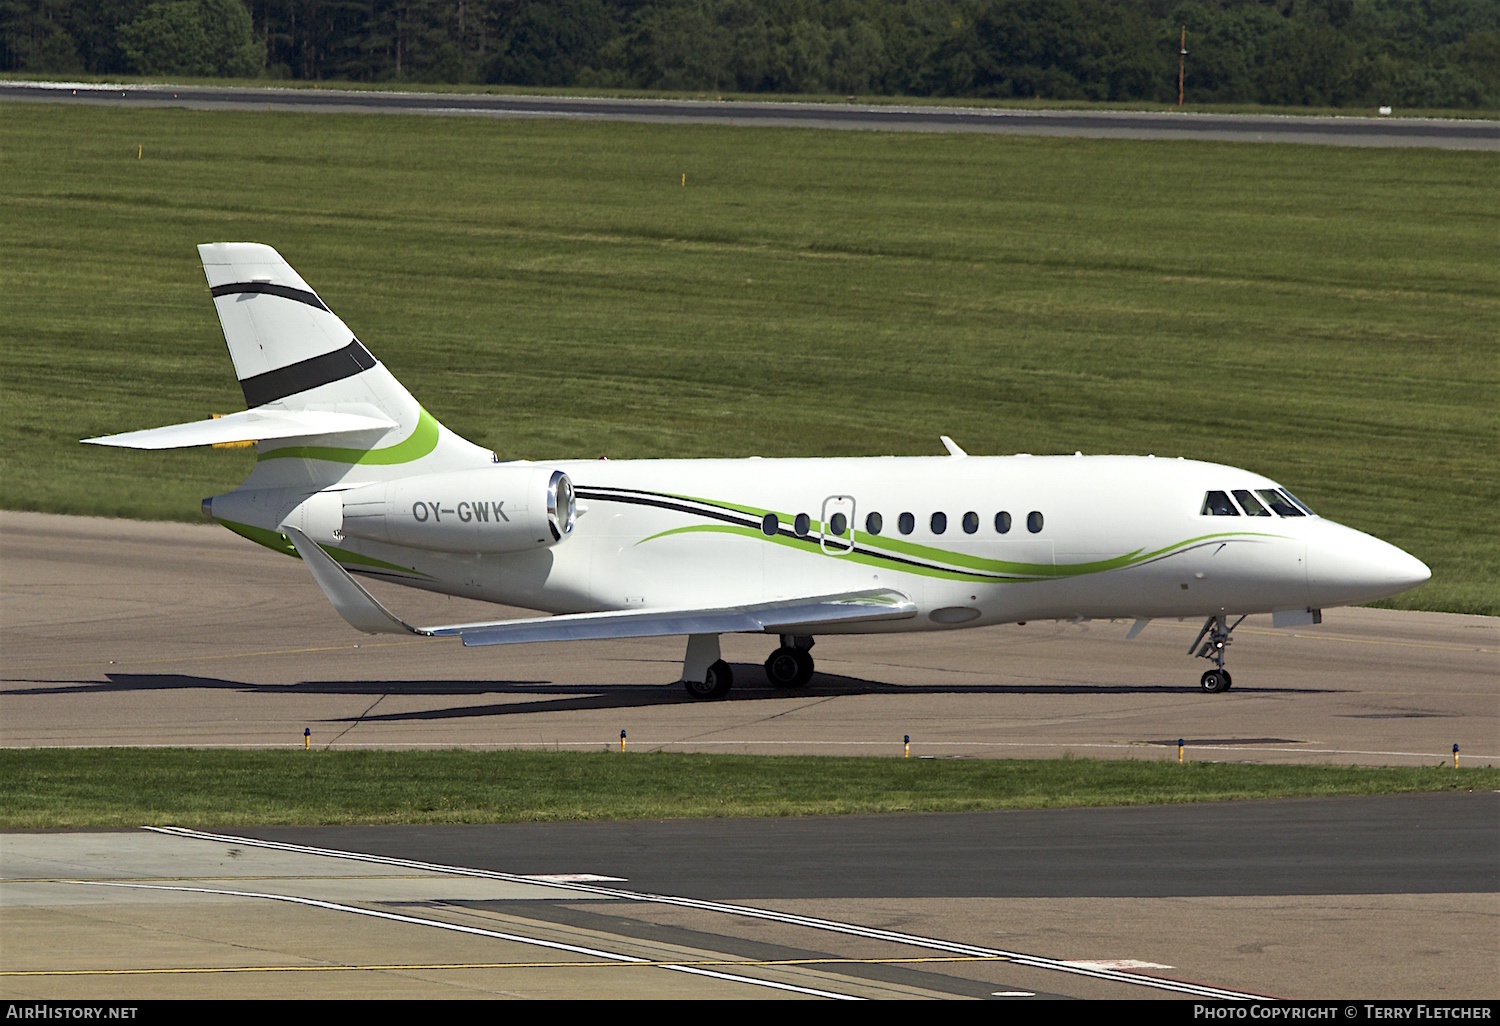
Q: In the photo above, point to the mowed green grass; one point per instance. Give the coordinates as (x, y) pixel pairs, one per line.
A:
(1327, 316)
(117, 787)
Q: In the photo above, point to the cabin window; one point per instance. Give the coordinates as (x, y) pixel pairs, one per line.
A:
(906, 523)
(770, 524)
(1249, 505)
(874, 522)
(971, 522)
(1217, 504)
(837, 525)
(939, 523)
(1034, 522)
(1002, 522)
(1279, 502)
(802, 525)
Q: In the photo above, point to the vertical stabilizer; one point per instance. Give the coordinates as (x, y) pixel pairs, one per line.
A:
(291, 352)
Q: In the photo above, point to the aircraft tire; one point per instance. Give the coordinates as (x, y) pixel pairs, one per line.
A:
(784, 668)
(717, 681)
(804, 668)
(1215, 682)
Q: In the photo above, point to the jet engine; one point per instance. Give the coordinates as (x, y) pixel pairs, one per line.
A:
(497, 509)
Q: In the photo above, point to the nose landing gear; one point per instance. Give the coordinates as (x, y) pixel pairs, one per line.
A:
(1211, 643)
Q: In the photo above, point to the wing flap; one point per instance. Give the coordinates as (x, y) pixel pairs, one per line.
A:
(801, 614)
(365, 613)
(247, 426)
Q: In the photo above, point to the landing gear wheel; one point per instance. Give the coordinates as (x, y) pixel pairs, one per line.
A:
(1215, 681)
(789, 668)
(717, 680)
(782, 668)
(804, 668)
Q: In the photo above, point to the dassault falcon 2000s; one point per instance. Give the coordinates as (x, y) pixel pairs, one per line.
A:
(355, 477)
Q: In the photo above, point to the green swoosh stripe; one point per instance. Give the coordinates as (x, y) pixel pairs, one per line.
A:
(868, 559)
(279, 542)
(1004, 572)
(422, 440)
(933, 555)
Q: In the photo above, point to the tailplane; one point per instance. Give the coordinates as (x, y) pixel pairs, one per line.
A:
(321, 408)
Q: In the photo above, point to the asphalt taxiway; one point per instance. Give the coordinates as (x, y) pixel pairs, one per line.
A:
(1262, 899)
(1472, 134)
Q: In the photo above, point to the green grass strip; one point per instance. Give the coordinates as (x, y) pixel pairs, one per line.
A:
(126, 787)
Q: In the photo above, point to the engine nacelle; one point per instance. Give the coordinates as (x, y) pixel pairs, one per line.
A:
(497, 509)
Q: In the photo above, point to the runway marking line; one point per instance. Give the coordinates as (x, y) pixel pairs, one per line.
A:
(612, 956)
(543, 745)
(729, 962)
(743, 911)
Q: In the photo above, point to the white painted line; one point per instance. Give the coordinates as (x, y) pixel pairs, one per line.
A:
(459, 928)
(572, 878)
(885, 743)
(1117, 963)
(748, 912)
(762, 983)
(1012, 993)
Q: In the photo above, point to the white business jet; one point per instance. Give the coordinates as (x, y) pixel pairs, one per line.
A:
(355, 477)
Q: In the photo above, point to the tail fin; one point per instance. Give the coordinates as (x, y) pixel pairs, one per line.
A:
(292, 353)
(288, 348)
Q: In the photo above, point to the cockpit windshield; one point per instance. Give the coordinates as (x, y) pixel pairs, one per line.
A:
(1280, 502)
(1272, 500)
(1304, 507)
(1217, 504)
(1249, 505)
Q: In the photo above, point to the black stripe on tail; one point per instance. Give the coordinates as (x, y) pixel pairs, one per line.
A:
(304, 374)
(266, 288)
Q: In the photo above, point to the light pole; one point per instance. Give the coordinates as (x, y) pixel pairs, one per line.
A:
(1181, 63)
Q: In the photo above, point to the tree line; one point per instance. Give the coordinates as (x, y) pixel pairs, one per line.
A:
(1341, 53)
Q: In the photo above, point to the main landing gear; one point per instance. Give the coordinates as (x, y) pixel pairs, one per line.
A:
(1211, 643)
(705, 676)
(791, 665)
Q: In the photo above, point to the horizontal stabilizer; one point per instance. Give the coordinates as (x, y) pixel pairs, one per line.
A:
(248, 426)
(365, 612)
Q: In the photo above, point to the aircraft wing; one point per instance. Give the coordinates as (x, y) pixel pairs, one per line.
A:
(246, 426)
(785, 616)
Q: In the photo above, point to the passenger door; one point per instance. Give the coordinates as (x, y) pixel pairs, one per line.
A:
(838, 525)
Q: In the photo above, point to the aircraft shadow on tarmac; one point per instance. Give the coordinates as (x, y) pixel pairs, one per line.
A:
(550, 697)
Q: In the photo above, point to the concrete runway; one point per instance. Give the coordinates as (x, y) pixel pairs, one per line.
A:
(128, 633)
(1331, 131)
(118, 632)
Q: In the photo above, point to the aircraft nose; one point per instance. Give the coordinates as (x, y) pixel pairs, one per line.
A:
(1345, 566)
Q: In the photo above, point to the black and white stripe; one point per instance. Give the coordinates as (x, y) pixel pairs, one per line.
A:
(265, 288)
(305, 374)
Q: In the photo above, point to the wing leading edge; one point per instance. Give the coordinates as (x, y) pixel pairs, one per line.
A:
(364, 612)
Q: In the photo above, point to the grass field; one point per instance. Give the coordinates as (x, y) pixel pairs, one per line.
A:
(1327, 316)
(118, 787)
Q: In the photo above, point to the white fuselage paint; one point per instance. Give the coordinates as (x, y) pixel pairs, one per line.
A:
(1137, 519)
